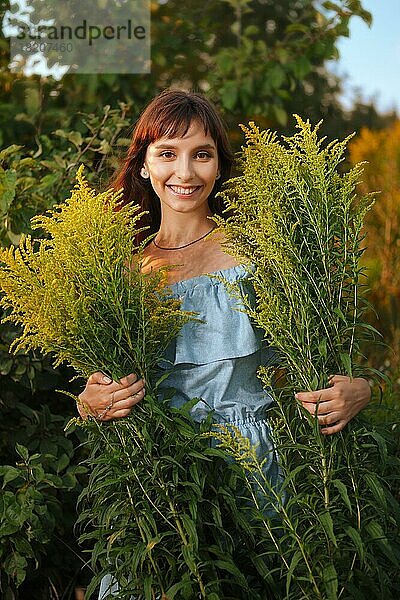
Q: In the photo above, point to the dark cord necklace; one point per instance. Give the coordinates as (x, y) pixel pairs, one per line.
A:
(185, 245)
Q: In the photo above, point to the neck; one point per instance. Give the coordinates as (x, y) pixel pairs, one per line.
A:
(180, 228)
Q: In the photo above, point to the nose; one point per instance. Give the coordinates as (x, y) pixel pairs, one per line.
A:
(184, 169)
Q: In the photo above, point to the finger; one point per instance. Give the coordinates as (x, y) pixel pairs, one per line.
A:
(329, 419)
(120, 391)
(99, 378)
(119, 414)
(317, 396)
(128, 380)
(339, 426)
(128, 402)
(133, 389)
(337, 379)
(322, 408)
(109, 416)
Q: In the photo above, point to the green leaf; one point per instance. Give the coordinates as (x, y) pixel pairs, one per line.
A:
(22, 452)
(6, 366)
(9, 151)
(231, 568)
(10, 474)
(377, 490)
(188, 405)
(322, 348)
(355, 536)
(225, 61)
(383, 449)
(229, 94)
(276, 76)
(177, 587)
(379, 537)
(187, 552)
(8, 181)
(15, 565)
(327, 523)
(339, 485)
(340, 314)
(8, 529)
(62, 462)
(346, 363)
(75, 137)
(68, 481)
(24, 547)
(147, 587)
(296, 558)
(333, 6)
(330, 579)
(190, 528)
(301, 66)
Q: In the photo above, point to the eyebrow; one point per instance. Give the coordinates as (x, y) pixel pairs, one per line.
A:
(172, 147)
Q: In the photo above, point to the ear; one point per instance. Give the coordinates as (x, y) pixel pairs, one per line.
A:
(144, 173)
(218, 175)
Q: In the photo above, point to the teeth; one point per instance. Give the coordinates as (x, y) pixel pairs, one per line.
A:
(180, 190)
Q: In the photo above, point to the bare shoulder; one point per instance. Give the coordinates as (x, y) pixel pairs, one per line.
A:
(151, 261)
(206, 256)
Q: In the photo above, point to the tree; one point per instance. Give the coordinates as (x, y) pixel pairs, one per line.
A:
(382, 173)
(255, 58)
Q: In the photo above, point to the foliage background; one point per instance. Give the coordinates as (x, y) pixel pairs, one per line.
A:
(258, 60)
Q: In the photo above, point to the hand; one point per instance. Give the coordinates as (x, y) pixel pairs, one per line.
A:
(105, 399)
(338, 404)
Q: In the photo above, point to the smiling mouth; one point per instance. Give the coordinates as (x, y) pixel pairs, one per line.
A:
(184, 191)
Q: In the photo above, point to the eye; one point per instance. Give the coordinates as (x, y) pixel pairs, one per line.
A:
(169, 152)
(204, 154)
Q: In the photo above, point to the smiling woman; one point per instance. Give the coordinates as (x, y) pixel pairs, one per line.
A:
(178, 159)
(182, 174)
(165, 122)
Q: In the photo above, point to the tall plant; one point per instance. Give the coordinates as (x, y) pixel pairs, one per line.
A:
(299, 222)
(157, 503)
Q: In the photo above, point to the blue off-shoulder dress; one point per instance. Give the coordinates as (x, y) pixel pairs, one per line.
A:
(217, 360)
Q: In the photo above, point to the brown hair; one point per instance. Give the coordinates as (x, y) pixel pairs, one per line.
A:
(170, 114)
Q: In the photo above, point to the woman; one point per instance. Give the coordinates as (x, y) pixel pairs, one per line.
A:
(178, 159)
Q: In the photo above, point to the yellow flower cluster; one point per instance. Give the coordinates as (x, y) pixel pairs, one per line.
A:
(78, 292)
(231, 440)
(297, 219)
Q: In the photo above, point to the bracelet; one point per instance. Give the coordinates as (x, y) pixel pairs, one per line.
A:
(99, 416)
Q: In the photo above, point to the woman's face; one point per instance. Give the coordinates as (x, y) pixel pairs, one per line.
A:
(183, 170)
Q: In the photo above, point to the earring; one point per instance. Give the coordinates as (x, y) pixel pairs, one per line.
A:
(218, 176)
(144, 173)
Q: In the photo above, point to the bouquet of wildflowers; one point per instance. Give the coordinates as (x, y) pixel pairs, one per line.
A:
(298, 221)
(79, 293)
(155, 507)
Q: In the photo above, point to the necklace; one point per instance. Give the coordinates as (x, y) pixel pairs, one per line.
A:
(185, 245)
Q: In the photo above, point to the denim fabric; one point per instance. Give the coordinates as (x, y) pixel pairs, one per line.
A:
(217, 359)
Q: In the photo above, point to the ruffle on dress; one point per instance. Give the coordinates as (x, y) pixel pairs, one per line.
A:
(224, 331)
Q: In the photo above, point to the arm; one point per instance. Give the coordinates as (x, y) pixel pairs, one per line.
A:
(105, 399)
(338, 404)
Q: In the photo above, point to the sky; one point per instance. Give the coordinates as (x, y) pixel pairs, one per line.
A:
(370, 58)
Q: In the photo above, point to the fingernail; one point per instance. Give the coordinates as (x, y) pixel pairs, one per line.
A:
(296, 395)
(106, 379)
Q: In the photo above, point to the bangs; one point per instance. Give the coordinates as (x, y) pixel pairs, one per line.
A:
(176, 123)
